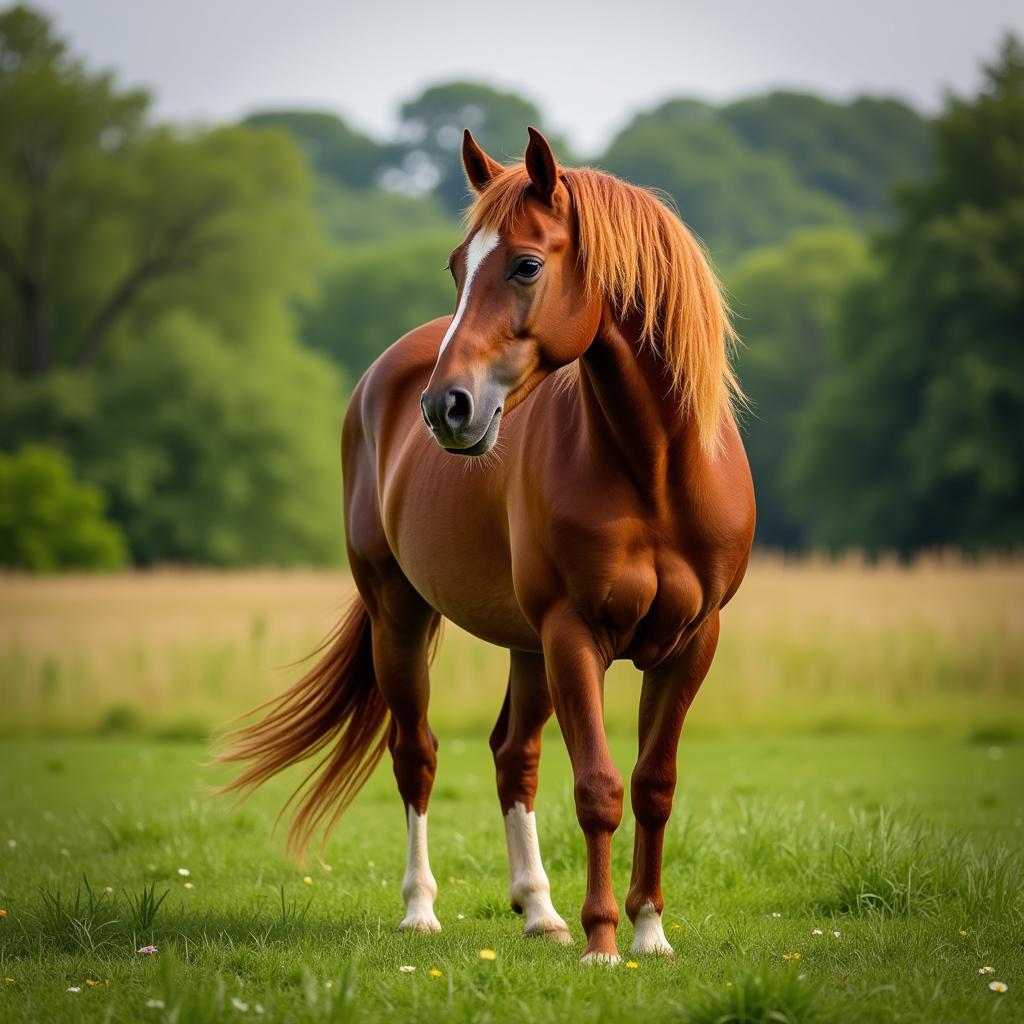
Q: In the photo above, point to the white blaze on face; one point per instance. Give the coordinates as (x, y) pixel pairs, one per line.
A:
(649, 933)
(419, 890)
(528, 883)
(482, 244)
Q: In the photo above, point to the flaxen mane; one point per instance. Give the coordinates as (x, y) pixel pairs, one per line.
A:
(637, 253)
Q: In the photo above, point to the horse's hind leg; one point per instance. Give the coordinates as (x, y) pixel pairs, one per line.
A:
(402, 624)
(668, 691)
(515, 742)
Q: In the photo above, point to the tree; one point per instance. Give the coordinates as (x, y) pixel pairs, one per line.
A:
(915, 439)
(102, 214)
(48, 521)
(853, 152)
(378, 293)
(786, 300)
(432, 127)
(734, 197)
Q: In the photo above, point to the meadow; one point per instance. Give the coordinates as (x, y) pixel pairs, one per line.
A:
(846, 843)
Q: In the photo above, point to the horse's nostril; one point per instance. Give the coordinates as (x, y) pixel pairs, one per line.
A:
(458, 408)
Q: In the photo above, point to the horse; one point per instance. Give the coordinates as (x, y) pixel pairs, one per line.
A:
(556, 468)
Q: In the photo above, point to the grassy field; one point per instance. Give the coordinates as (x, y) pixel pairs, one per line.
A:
(854, 764)
(807, 647)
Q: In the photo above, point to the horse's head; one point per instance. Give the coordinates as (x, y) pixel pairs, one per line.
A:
(522, 306)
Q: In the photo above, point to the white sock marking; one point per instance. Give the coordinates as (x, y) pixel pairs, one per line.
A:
(528, 883)
(649, 933)
(419, 890)
(481, 246)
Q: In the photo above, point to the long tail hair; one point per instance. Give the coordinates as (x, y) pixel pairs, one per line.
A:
(336, 706)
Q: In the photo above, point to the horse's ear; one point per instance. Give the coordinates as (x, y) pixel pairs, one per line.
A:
(541, 166)
(480, 168)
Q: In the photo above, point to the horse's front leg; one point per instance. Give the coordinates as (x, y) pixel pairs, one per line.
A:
(515, 742)
(575, 670)
(667, 693)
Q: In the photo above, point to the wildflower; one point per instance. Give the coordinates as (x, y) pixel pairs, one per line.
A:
(790, 956)
(147, 949)
(407, 968)
(108, 888)
(460, 917)
(3, 913)
(184, 872)
(239, 1005)
(12, 843)
(488, 954)
(307, 880)
(78, 988)
(330, 984)
(155, 1004)
(674, 925)
(963, 934)
(632, 965)
(435, 973)
(986, 970)
(258, 1007)
(775, 913)
(817, 931)
(998, 986)
(189, 885)
(91, 983)
(837, 933)
(8, 981)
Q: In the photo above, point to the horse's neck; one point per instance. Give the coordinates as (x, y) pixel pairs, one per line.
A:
(632, 412)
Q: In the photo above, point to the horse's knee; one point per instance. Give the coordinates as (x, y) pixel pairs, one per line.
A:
(414, 755)
(598, 792)
(651, 791)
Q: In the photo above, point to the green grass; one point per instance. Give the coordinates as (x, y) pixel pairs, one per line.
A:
(900, 844)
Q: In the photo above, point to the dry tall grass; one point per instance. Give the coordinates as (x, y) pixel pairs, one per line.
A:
(806, 646)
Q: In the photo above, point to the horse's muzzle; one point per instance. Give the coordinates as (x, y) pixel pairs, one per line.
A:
(463, 423)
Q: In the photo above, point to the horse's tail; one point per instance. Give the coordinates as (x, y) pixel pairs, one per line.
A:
(335, 705)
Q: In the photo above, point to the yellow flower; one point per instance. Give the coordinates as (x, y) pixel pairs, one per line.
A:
(963, 934)
(632, 965)
(790, 956)
(488, 954)
(189, 885)
(677, 926)
(307, 880)
(8, 981)
(91, 983)
(3, 913)
(435, 973)
(986, 970)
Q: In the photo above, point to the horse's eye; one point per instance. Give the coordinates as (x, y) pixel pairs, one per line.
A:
(527, 268)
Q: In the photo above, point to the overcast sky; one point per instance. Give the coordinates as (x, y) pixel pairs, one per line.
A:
(589, 65)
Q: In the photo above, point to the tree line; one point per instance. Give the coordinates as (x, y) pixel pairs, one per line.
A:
(182, 312)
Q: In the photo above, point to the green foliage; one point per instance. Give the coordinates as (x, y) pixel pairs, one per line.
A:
(48, 521)
(915, 439)
(197, 470)
(853, 152)
(370, 216)
(786, 301)
(334, 149)
(732, 196)
(432, 127)
(378, 293)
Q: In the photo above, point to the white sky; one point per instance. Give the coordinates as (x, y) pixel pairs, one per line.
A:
(589, 65)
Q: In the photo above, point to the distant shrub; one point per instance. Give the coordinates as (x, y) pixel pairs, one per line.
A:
(48, 520)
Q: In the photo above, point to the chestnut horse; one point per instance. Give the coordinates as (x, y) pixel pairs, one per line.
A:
(608, 513)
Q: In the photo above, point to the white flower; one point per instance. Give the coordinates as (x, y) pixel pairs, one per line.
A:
(184, 872)
(998, 986)
(407, 968)
(12, 843)
(775, 913)
(836, 934)
(460, 917)
(986, 970)
(239, 1005)
(155, 1004)
(108, 888)
(817, 931)
(78, 988)
(258, 1007)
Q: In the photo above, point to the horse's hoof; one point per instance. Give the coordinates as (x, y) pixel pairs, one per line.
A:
(649, 933)
(420, 924)
(606, 959)
(553, 930)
